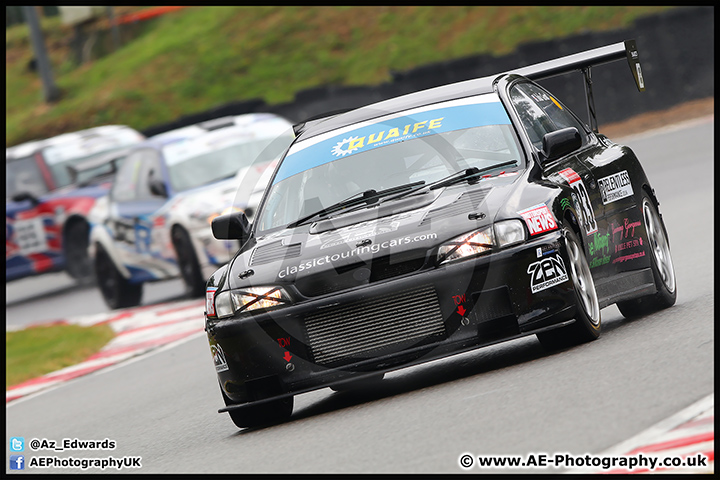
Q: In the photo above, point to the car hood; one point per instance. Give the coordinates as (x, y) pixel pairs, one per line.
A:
(396, 237)
(69, 192)
(239, 191)
(208, 198)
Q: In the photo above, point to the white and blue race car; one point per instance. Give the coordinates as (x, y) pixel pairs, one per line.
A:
(155, 222)
(50, 186)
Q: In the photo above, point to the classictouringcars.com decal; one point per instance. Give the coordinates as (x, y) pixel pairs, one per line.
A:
(374, 248)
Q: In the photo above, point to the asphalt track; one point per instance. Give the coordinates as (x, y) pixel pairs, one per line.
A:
(512, 398)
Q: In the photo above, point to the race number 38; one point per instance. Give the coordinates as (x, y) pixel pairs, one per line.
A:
(578, 187)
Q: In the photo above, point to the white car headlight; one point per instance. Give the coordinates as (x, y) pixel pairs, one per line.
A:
(467, 246)
(230, 302)
(501, 235)
(509, 232)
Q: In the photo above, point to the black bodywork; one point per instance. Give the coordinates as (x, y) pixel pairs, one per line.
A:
(388, 303)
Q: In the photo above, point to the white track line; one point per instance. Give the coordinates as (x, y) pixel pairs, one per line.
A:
(111, 368)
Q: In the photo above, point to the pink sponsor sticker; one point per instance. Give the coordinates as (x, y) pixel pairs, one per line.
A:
(539, 219)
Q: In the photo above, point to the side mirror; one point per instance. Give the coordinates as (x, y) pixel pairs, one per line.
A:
(232, 226)
(157, 187)
(560, 142)
(22, 196)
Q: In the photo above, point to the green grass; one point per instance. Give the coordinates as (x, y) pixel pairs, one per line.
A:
(36, 351)
(199, 57)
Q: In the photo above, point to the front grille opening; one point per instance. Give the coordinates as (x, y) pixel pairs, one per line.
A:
(374, 327)
(383, 268)
(492, 304)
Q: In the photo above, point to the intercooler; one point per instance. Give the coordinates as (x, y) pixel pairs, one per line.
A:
(369, 328)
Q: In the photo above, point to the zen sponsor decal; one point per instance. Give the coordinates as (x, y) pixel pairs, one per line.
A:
(539, 219)
(615, 186)
(219, 358)
(581, 192)
(627, 246)
(547, 273)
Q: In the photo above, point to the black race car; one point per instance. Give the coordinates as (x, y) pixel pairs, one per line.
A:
(428, 225)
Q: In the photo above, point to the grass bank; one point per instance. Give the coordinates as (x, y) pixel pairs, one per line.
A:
(36, 351)
(199, 57)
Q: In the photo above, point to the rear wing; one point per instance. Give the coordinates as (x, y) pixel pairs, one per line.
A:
(110, 159)
(583, 62)
(298, 128)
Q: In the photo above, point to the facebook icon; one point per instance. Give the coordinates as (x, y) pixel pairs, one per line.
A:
(17, 462)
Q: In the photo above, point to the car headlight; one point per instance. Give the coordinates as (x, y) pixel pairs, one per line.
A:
(467, 245)
(501, 235)
(509, 232)
(230, 302)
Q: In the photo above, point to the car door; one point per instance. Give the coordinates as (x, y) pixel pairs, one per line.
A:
(31, 233)
(540, 114)
(133, 202)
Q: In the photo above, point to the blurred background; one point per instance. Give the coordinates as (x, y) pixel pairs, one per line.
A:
(160, 68)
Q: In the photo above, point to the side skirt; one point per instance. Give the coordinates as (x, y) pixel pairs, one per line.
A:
(625, 286)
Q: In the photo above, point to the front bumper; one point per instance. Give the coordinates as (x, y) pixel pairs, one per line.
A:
(390, 324)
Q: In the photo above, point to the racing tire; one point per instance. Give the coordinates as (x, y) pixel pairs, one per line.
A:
(660, 263)
(276, 411)
(359, 385)
(188, 263)
(587, 325)
(76, 241)
(116, 290)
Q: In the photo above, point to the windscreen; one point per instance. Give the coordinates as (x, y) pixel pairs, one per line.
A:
(201, 161)
(422, 145)
(23, 176)
(97, 172)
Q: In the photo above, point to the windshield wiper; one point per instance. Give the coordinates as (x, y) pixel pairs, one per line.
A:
(457, 177)
(469, 174)
(369, 197)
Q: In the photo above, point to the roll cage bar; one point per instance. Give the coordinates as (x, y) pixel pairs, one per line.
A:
(583, 62)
